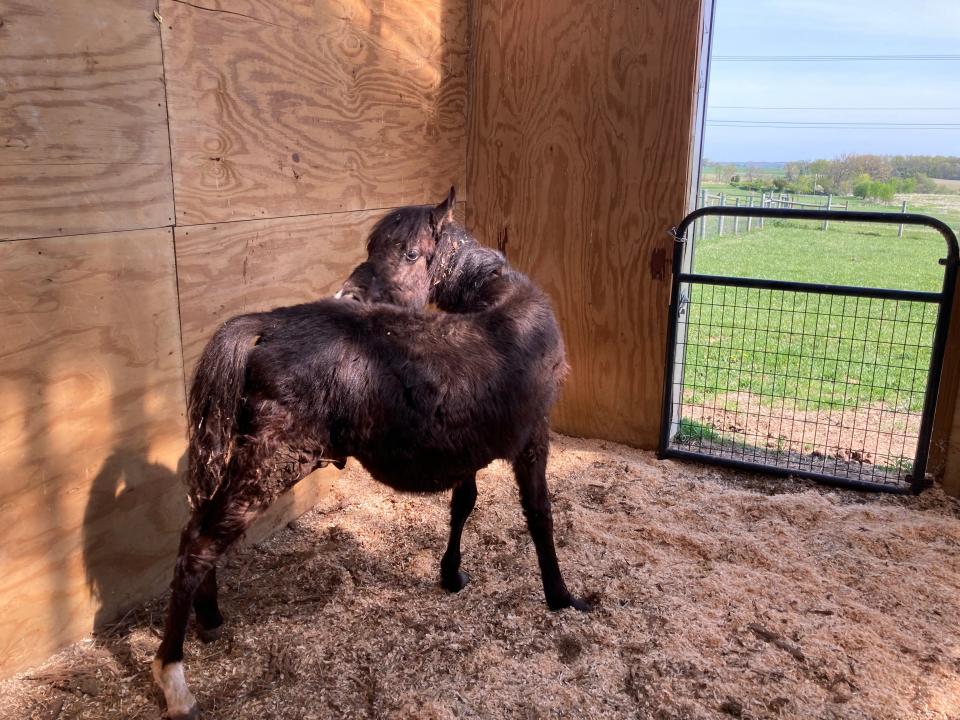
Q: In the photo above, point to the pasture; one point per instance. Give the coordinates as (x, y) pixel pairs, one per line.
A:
(718, 596)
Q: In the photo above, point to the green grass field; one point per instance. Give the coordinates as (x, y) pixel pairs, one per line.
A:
(823, 352)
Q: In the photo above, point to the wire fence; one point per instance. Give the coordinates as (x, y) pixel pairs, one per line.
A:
(722, 225)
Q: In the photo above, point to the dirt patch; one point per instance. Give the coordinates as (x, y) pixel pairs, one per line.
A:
(875, 442)
(719, 595)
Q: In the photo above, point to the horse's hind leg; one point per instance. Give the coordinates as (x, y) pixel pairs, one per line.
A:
(210, 532)
(207, 609)
(530, 468)
(461, 505)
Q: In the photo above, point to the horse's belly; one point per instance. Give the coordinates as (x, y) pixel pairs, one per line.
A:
(422, 469)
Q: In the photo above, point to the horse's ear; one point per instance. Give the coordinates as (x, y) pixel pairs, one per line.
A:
(444, 211)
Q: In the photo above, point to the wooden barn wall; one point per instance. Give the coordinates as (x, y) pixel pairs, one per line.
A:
(83, 129)
(579, 151)
(127, 234)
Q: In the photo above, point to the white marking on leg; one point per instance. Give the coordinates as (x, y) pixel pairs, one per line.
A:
(170, 678)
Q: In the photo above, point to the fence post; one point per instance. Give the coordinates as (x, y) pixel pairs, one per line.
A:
(720, 217)
(750, 217)
(826, 223)
(736, 219)
(903, 209)
(702, 222)
(763, 204)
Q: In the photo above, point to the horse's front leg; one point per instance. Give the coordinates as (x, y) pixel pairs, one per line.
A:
(530, 468)
(461, 505)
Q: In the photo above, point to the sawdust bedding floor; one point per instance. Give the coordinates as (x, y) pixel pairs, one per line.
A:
(717, 595)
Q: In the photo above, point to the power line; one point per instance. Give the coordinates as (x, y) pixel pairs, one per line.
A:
(835, 123)
(833, 107)
(714, 123)
(828, 58)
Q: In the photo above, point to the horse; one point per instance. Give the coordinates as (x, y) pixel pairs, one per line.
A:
(423, 400)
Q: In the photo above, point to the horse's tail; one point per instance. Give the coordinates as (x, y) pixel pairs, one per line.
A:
(215, 398)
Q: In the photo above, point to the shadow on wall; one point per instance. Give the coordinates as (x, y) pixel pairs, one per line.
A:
(91, 427)
(116, 552)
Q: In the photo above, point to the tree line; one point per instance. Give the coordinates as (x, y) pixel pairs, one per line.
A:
(868, 176)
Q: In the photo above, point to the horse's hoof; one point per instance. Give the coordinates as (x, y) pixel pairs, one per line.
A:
(456, 582)
(181, 705)
(209, 635)
(191, 714)
(581, 605)
(570, 602)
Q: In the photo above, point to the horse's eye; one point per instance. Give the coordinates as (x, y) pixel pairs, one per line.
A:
(411, 255)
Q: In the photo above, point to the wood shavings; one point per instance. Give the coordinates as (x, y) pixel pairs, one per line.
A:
(719, 595)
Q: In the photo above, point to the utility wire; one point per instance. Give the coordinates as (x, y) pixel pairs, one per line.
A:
(840, 123)
(831, 127)
(828, 58)
(808, 107)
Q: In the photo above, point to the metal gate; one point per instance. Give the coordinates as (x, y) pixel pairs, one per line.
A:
(830, 382)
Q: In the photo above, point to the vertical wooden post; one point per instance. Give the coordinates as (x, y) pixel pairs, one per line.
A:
(763, 204)
(736, 220)
(750, 219)
(826, 223)
(903, 209)
(720, 217)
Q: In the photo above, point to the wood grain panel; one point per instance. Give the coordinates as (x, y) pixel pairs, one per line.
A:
(91, 434)
(579, 142)
(83, 134)
(232, 268)
(281, 109)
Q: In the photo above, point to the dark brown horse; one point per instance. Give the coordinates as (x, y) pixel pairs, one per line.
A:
(422, 399)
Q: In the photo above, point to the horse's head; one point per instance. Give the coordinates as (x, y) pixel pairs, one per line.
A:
(400, 250)
(461, 270)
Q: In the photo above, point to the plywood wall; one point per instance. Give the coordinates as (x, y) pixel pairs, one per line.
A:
(83, 131)
(284, 108)
(579, 147)
(127, 236)
(91, 433)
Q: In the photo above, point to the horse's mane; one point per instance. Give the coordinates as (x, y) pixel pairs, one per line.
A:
(399, 225)
(461, 268)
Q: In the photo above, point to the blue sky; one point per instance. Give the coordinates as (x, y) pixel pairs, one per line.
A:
(907, 90)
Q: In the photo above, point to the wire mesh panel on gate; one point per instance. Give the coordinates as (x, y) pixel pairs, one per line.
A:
(806, 381)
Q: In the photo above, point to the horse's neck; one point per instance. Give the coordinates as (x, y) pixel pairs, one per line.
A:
(509, 291)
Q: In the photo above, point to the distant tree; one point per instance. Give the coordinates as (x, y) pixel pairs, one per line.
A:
(863, 186)
(925, 184)
(796, 170)
(932, 166)
(876, 166)
(883, 191)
